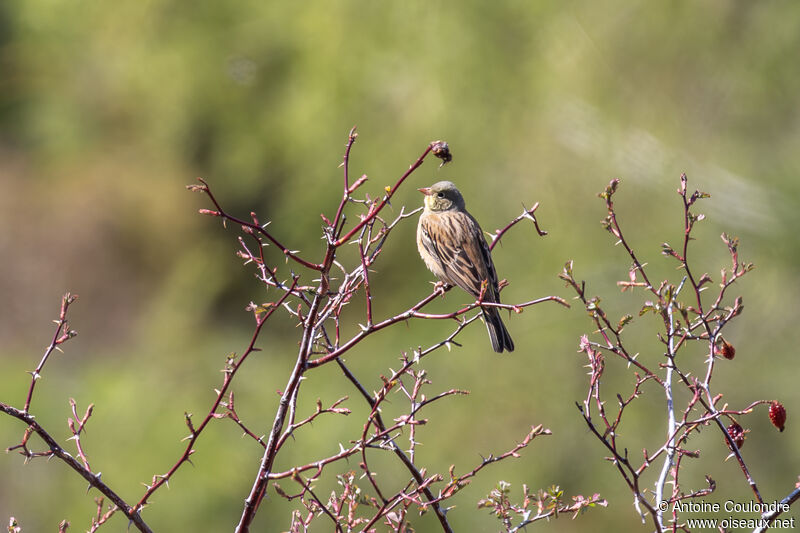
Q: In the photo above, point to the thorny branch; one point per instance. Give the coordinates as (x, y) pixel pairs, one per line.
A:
(683, 324)
(76, 425)
(316, 297)
(317, 307)
(546, 504)
(60, 336)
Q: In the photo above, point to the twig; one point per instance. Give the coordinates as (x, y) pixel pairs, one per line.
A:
(229, 373)
(132, 512)
(60, 336)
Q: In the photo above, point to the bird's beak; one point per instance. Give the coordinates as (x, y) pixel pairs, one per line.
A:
(425, 190)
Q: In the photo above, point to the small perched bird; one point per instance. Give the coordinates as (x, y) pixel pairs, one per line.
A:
(452, 245)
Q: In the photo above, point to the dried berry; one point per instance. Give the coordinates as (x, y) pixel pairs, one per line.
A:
(777, 414)
(726, 350)
(442, 151)
(736, 433)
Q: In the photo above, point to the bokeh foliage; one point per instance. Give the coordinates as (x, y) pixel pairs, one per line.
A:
(107, 110)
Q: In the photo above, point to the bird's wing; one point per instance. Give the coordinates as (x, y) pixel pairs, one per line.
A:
(477, 253)
(456, 240)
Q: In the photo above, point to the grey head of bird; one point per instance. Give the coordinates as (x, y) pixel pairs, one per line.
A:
(442, 196)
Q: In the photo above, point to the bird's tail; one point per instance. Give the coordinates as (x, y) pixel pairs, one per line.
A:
(498, 333)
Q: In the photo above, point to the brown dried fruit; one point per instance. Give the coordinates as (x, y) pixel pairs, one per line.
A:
(736, 434)
(777, 414)
(726, 350)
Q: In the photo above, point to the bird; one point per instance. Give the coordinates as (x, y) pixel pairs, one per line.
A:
(452, 245)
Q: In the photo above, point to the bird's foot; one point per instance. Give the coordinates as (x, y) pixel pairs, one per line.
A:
(440, 287)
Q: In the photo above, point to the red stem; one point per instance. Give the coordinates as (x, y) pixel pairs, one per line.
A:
(373, 212)
(58, 338)
(189, 450)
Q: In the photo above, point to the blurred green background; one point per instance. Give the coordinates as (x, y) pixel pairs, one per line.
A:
(108, 109)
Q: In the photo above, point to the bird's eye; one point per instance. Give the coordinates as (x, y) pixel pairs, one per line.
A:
(440, 195)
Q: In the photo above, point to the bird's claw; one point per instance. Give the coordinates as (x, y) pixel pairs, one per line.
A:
(439, 287)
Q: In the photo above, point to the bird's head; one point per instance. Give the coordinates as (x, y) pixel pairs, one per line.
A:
(442, 196)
